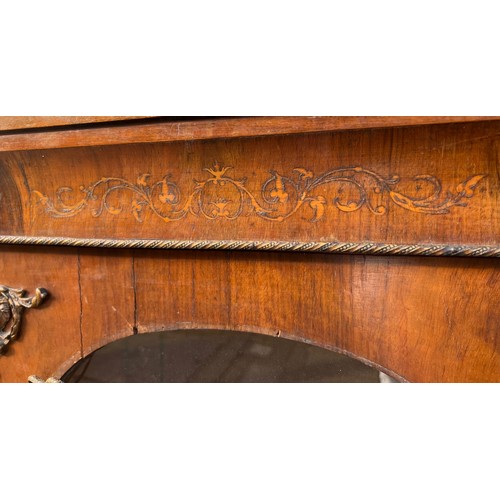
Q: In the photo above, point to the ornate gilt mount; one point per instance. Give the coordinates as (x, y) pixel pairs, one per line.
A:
(12, 306)
(33, 379)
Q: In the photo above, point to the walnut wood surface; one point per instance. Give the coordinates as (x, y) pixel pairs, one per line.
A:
(420, 319)
(50, 335)
(148, 189)
(29, 122)
(107, 298)
(218, 128)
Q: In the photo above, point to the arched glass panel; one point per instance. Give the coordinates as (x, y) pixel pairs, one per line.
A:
(216, 356)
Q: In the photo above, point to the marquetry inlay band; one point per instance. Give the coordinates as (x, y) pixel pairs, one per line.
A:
(221, 196)
(366, 248)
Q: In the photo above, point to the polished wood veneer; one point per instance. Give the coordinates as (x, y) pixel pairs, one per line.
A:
(401, 192)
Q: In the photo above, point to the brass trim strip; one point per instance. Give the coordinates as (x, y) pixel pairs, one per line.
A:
(364, 248)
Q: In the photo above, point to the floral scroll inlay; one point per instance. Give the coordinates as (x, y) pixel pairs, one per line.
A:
(221, 196)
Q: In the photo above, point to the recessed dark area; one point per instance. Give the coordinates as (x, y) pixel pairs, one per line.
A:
(216, 356)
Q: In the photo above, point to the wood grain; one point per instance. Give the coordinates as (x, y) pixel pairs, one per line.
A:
(418, 319)
(433, 319)
(452, 155)
(397, 313)
(107, 298)
(30, 122)
(50, 335)
(174, 131)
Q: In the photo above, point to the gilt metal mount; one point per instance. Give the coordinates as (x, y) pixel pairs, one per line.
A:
(33, 379)
(12, 306)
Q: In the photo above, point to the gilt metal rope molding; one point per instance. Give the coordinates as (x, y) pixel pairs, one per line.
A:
(224, 197)
(333, 247)
(12, 305)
